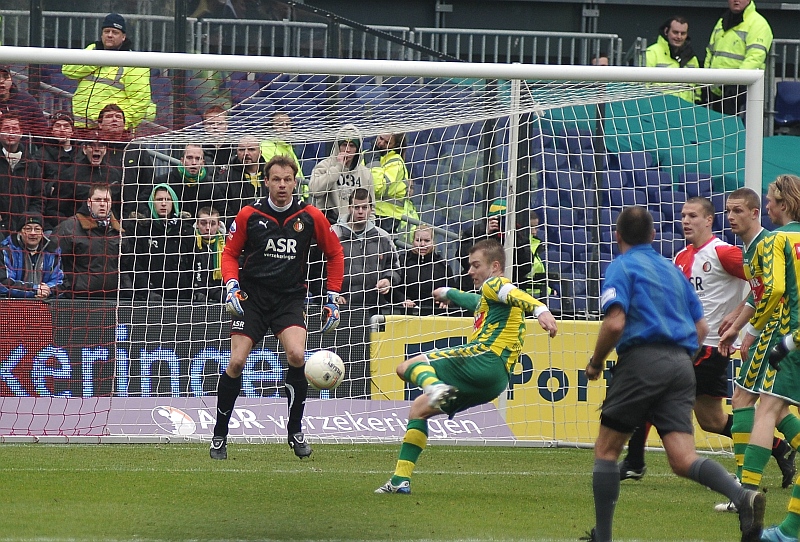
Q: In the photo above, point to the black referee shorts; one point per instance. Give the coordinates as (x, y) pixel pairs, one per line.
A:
(652, 383)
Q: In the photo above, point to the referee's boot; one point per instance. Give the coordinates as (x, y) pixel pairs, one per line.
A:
(298, 444)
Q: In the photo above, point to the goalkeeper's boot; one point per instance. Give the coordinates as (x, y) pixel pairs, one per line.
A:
(788, 470)
(774, 534)
(628, 472)
(403, 488)
(219, 448)
(301, 448)
(751, 515)
(440, 394)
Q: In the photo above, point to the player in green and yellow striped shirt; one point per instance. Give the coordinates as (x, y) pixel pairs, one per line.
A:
(457, 378)
(778, 265)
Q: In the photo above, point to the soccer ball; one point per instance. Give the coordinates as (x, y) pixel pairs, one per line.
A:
(324, 370)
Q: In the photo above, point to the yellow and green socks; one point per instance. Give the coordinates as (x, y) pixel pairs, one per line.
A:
(413, 443)
(421, 374)
(743, 419)
(755, 459)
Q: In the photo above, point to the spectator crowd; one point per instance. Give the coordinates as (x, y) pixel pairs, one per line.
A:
(83, 213)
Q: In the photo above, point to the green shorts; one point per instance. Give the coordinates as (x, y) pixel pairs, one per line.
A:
(476, 372)
(786, 382)
(755, 367)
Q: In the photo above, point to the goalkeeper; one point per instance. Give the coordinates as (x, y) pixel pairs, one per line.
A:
(457, 378)
(272, 238)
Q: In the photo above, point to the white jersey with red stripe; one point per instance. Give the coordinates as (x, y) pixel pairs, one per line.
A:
(717, 273)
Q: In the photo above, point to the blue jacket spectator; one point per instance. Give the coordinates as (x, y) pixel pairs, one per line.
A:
(31, 262)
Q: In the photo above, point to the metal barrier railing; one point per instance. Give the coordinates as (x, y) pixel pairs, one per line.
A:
(355, 43)
(321, 40)
(783, 64)
(636, 54)
(507, 46)
(75, 30)
(253, 37)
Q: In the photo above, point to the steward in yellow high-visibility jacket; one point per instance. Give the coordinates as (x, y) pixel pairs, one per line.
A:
(99, 86)
(673, 49)
(393, 187)
(740, 40)
(271, 148)
(282, 124)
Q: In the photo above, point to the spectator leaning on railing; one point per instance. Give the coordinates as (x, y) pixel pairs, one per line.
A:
(99, 86)
(31, 262)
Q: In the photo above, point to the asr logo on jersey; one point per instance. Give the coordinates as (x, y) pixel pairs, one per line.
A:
(281, 248)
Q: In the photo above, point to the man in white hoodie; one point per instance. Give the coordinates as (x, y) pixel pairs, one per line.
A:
(335, 178)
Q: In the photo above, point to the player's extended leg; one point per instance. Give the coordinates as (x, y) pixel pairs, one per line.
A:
(293, 340)
(230, 384)
(420, 372)
(414, 442)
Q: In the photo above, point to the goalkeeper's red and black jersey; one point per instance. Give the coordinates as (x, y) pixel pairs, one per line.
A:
(274, 246)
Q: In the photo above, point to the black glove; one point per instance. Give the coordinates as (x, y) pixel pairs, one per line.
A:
(778, 352)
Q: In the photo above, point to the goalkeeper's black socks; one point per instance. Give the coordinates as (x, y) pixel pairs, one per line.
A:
(227, 391)
(296, 387)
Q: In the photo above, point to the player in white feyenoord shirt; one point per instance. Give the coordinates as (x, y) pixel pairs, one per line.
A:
(715, 269)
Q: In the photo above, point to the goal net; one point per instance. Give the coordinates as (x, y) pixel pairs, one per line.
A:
(547, 156)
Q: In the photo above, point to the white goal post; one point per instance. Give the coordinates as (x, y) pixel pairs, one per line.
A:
(574, 144)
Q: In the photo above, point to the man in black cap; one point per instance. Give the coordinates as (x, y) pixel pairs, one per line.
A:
(31, 262)
(99, 86)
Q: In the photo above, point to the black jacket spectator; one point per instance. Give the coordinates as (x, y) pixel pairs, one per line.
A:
(192, 194)
(21, 190)
(71, 194)
(421, 275)
(242, 189)
(90, 255)
(162, 253)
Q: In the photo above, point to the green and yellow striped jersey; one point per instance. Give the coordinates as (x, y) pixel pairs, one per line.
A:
(499, 321)
(777, 262)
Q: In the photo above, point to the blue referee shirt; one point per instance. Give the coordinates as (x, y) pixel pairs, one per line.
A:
(660, 305)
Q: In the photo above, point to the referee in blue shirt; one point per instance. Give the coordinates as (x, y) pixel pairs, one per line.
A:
(655, 320)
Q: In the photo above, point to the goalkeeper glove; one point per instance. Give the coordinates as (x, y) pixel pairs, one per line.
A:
(780, 351)
(330, 313)
(233, 301)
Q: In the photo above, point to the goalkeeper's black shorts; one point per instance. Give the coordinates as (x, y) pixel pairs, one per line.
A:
(266, 310)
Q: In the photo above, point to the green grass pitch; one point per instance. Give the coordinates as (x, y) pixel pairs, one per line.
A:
(175, 492)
